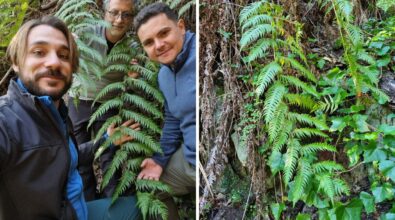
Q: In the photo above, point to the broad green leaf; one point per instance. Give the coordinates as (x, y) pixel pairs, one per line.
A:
(368, 202)
(374, 155)
(360, 123)
(276, 162)
(338, 124)
(277, 209)
(383, 192)
(388, 216)
(302, 216)
(387, 167)
(387, 129)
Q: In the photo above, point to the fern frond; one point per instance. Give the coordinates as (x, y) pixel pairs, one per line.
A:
(364, 56)
(186, 7)
(133, 164)
(141, 137)
(250, 10)
(308, 133)
(113, 87)
(145, 121)
(258, 19)
(328, 106)
(259, 49)
(147, 88)
(302, 70)
(302, 179)
(275, 125)
(142, 104)
(116, 68)
(273, 100)
(266, 76)
(314, 147)
(291, 80)
(326, 185)
(144, 201)
(151, 185)
(291, 159)
(256, 33)
(345, 8)
(326, 166)
(158, 208)
(126, 180)
(355, 33)
(301, 100)
(119, 158)
(307, 119)
(382, 95)
(341, 187)
(137, 148)
(110, 104)
(283, 136)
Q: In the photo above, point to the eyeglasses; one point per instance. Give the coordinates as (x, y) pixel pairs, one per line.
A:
(124, 15)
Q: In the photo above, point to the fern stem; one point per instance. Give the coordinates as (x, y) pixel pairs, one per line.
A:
(349, 170)
(281, 187)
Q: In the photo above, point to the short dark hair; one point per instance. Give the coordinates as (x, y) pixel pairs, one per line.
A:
(17, 49)
(152, 10)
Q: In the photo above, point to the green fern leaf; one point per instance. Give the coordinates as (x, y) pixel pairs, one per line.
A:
(301, 100)
(283, 136)
(254, 20)
(119, 158)
(307, 119)
(276, 124)
(113, 87)
(302, 179)
(314, 147)
(326, 185)
(300, 84)
(126, 180)
(291, 159)
(147, 88)
(110, 104)
(308, 133)
(259, 49)
(140, 118)
(259, 31)
(250, 10)
(326, 166)
(143, 104)
(273, 100)
(266, 76)
(304, 71)
(151, 185)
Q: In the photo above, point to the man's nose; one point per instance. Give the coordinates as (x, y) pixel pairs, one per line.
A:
(159, 44)
(52, 60)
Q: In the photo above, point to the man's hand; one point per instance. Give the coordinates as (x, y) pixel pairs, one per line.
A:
(134, 75)
(133, 125)
(150, 170)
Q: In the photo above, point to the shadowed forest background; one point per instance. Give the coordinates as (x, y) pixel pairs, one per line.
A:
(297, 109)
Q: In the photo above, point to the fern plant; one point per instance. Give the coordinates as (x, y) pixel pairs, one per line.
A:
(295, 133)
(137, 99)
(11, 18)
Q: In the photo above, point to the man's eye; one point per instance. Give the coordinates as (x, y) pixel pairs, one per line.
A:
(163, 33)
(148, 43)
(64, 56)
(38, 53)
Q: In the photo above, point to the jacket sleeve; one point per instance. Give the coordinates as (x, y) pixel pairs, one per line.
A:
(170, 140)
(5, 146)
(86, 152)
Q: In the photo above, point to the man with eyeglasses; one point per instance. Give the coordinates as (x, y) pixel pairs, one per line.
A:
(119, 14)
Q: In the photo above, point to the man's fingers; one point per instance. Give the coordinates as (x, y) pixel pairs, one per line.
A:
(127, 123)
(135, 126)
(143, 164)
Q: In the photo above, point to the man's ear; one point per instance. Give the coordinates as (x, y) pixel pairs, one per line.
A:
(15, 68)
(181, 25)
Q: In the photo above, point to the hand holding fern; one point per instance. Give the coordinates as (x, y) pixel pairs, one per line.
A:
(124, 138)
(132, 74)
(150, 170)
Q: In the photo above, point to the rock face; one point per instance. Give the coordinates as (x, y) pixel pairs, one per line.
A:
(387, 84)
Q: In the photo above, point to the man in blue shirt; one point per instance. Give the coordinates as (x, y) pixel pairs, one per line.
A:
(38, 152)
(165, 40)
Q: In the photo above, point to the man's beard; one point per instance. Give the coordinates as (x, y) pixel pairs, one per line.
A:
(33, 87)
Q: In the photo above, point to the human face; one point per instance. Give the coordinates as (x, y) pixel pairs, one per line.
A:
(119, 23)
(46, 69)
(162, 38)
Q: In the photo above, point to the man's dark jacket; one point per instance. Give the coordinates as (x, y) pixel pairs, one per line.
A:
(34, 159)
